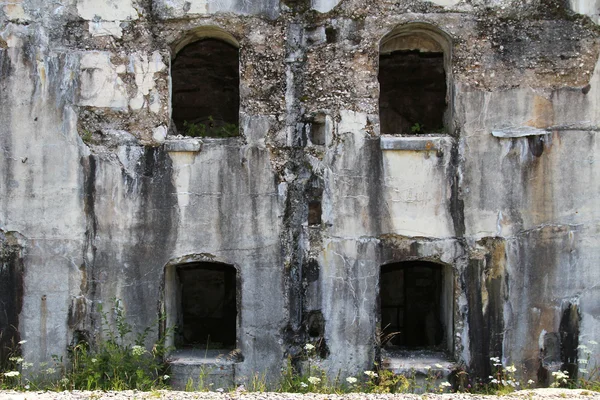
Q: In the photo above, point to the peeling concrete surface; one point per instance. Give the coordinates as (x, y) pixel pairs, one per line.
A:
(99, 197)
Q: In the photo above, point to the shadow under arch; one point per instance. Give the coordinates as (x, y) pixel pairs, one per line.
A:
(203, 32)
(417, 36)
(415, 76)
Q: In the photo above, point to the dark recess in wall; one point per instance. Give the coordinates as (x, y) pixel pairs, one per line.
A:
(11, 297)
(569, 339)
(205, 76)
(411, 309)
(412, 91)
(208, 305)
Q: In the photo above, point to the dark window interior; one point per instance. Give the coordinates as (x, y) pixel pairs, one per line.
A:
(314, 212)
(412, 97)
(205, 79)
(410, 300)
(208, 305)
(317, 133)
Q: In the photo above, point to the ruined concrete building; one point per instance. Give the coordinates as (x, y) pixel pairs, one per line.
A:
(389, 180)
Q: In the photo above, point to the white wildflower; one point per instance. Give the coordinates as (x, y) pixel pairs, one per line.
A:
(94, 360)
(26, 365)
(309, 347)
(11, 374)
(64, 381)
(314, 380)
(165, 377)
(22, 342)
(592, 342)
(371, 374)
(303, 385)
(50, 371)
(494, 380)
(530, 382)
(26, 387)
(583, 370)
(445, 384)
(582, 347)
(512, 369)
(582, 361)
(351, 379)
(17, 360)
(561, 376)
(495, 359)
(137, 350)
(439, 366)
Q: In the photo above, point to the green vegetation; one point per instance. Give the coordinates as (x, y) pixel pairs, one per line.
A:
(86, 136)
(210, 129)
(416, 128)
(113, 364)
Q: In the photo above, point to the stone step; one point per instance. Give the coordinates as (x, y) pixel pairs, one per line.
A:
(201, 369)
(427, 368)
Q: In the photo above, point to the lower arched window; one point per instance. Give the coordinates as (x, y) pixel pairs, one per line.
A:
(416, 303)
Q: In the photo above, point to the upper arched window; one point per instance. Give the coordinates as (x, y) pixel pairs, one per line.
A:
(414, 70)
(205, 84)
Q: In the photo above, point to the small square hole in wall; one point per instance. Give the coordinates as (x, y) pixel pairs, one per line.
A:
(317, 131)
(314, 212)
(330, 34)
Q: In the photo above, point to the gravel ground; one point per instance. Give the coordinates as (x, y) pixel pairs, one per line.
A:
(545, 394)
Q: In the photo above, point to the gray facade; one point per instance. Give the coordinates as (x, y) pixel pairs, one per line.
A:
(101, 200)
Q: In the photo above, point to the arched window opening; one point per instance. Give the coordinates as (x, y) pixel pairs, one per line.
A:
(205, 88)
(416, 303)
(206, 304)
(414, 66)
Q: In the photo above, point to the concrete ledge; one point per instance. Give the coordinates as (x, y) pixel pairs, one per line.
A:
(193, 145)
(417, 143)
(521, 131)
(524, 131)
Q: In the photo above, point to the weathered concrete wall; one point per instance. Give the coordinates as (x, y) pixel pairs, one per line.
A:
(98, 199)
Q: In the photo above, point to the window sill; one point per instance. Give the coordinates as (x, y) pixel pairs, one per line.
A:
(434, 142)
(194, 144)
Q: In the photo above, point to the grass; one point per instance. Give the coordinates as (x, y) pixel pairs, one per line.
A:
(118, 362)
(123, 361)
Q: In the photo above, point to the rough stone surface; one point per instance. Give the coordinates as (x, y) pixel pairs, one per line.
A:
(99, 200)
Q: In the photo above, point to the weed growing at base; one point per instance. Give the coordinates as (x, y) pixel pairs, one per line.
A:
(113, 364)
(117, 364)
